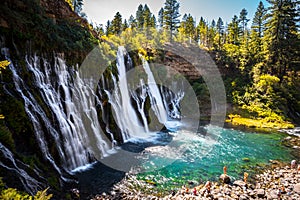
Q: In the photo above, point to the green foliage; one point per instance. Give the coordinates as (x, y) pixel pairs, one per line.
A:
(116, 24)
(6, 137)
(76, 5)
(171, 15)
(42, 195)
(13, 194)
(258, 22)
(243, 20)
(71, 35)
(281, 40)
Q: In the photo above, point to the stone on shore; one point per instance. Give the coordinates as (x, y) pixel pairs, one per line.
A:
(297, 188)
(224, 178)
(240, 183)
(260, 193)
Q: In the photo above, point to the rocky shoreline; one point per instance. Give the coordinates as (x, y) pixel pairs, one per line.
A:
(278, 181)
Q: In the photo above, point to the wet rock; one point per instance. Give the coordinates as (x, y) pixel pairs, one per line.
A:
(224, 178)
(246, 159)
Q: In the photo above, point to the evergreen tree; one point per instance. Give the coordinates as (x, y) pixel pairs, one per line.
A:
(203, 32)
(281, 36)
(147, 17)
(140, 16)
(161, 18)
(108, 28)
(171, 15)
(77, 5)
(153, 22)
(213, 23)
(220, 30)
(132, 22)
(257, 29)
(211, 34)
(234, 31)
(189, 26)
(125, 25)
(184, 18)
(99, 29)
(116, 24)
(258, 22)
(243, 20)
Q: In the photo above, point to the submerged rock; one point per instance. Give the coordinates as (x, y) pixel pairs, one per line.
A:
(246, 159)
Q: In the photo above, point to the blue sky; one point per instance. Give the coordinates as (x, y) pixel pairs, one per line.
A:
(99, 11)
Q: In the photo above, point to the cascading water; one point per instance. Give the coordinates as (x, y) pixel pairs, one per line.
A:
(120, 100)
(76, 127)
(155, 96)
(126, 116)
(30, 184)
(62, 107)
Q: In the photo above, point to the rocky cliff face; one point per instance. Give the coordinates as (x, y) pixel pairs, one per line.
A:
(45, 28)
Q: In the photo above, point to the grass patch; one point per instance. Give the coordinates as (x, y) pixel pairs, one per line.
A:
(258, 123)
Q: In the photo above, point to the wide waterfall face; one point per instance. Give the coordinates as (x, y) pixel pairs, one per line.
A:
(63, 109)
(73, 121)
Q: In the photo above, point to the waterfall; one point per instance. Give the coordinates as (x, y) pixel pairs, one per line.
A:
(30, 184)
(75, 130)
(155, 96)
(172, 102)
(132, 120)
(120, 99)
(62, 107)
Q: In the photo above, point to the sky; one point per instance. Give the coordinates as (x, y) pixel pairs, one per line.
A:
(99, 11)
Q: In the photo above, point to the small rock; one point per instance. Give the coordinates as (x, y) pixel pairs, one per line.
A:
(273, 194)
(224, 178)
(288, 138)
(297, 188)
(260, 193)
(239, 183)
(246, 159)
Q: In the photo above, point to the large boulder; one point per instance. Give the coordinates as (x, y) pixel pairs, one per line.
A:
(224, 178)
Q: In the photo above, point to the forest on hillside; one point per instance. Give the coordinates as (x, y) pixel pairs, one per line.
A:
(259, 62)
(262, 60)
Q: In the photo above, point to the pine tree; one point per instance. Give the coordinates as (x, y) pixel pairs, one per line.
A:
(99, 29)
(184, 18)
(203, 32)
(281, 36)
(140, 16)
(132, 22)
(153, 21)
(147, 17)
(125, 25)
(220, 30)
(258, 21)
(108, 28)
(257, 29)
(171, 15)
(234, 31)
(212, 31)
(189, 26)
(161, 18)
(116, 24)
(243, 20)
(76, 5)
